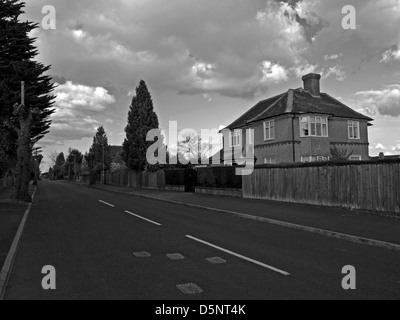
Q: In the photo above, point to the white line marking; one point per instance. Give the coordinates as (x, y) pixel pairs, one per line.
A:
(240, 256)
(140, 217)
(189, 288)
(106, 203)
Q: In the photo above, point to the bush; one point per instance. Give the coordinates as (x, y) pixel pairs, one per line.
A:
(219, 177)
(325, 164)
(175, 177)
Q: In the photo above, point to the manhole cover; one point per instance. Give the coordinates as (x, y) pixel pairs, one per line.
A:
(216, 260)
(189, 288)
(142, 254)
(175, 256)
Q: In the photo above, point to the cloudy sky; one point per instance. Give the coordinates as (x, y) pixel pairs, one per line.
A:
(206, 62)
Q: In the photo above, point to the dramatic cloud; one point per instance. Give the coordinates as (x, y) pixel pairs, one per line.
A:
(213, 54)
(385, 101)
(75, 106)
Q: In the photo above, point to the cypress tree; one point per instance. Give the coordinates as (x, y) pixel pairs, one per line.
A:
(141, 119)
(21, 126)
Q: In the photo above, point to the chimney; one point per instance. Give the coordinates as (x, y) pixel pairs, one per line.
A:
(311, 83)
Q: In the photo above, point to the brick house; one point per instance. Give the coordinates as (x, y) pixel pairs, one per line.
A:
(301, 125)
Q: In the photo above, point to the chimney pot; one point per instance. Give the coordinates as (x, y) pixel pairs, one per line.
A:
(311, 84)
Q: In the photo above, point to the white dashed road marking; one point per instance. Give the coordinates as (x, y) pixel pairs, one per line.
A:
(140, 217)
(142, 254)
(216, 260)
(106, 203)
(175, 256)
(240, 256)
(189, 288)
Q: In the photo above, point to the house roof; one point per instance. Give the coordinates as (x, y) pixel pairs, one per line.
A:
(296, 101)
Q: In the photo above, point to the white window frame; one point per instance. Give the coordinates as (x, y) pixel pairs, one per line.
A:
(237, 138)
(313, 122)
(270, 124)
(269, 160)
(353, 125)
(250, 136)
(352, 158)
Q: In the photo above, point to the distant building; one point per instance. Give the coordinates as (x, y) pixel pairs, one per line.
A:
(302, 125)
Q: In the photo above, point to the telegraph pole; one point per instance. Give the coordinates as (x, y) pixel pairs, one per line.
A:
(104, 168)
(75, 167)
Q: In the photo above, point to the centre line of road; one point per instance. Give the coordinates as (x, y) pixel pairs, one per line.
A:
(240, 256)
(106, 203)
(145, 219)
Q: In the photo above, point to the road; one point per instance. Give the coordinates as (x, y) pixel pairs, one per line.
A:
(94, 238)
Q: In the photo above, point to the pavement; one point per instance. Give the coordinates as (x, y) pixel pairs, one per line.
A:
(11, 214)
(113, 245)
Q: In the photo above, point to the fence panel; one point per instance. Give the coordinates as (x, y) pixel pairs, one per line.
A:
(372, 187)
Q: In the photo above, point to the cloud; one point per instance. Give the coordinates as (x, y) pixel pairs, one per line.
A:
(396, 148)
(332, 56)
(385, 101)
(391, 55)
(377, 146)
(75, 106)
(303, 68)
(185, 47)
(337, 71)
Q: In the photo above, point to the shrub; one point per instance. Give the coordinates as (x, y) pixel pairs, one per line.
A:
(218, 177)
(175, 177)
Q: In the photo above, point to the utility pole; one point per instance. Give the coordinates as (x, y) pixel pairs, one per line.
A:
(104, 168)
(75, 167)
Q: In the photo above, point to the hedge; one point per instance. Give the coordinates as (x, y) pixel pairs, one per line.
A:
(223, 177)
(175, 177)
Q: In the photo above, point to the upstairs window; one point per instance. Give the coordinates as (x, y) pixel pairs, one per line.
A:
(354, 129)
(236, 138)
(313, 126)
(269, 130)
(250, 136)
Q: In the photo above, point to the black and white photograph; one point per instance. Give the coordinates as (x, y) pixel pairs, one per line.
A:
(199, 158)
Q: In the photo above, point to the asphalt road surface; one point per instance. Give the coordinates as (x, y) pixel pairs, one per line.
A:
(106, 245)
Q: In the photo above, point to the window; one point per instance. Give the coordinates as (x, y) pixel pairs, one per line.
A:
(269, 130)
(355, 158)
(354, 129)
(313, 126)
(315, 159)
(269, 160)
(250, 136)
(237, 137)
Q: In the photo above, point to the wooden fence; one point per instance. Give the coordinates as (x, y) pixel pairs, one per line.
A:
(144, 179)
(371, 187)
